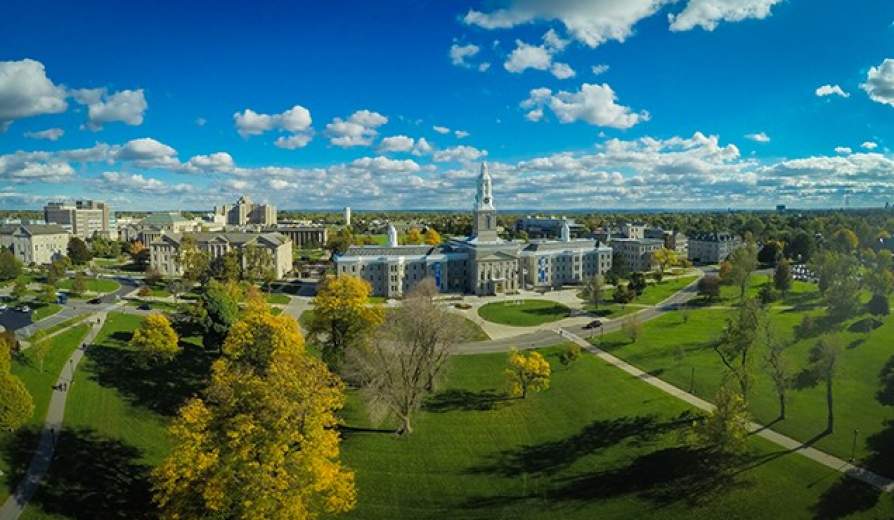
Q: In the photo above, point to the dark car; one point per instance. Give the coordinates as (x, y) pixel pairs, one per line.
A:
(595, 324)
(94, 301)
(144, 307)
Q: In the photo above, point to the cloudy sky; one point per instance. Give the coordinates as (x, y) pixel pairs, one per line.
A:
(598, 104)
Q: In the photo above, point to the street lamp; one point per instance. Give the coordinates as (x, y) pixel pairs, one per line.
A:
(854, 445)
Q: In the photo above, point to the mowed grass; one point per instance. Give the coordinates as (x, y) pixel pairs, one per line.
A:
(612, 310)
(277, 298)
(523, 313)
(473, 331)
(115, 427)
(681, 353)
(658, 292)
(597, 444)
(15, 448)
(45, 310)
(96, 285)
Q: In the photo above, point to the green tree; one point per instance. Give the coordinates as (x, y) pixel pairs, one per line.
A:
(844, 240)
(49, 294)
(736, 346)
(743, 261)
(593, 289)
(708, 287)
(257, 264)
(664, 258)
(342, 318)
(194, 262)
(771, 253)
(263, 440)
(10, 266)
(632, 328)
(155, 340)
(782, 277)
(638, 283)
(823, 363)
(227, 267)
(79, 285)
(220, 302)
(725, 429)
(57, 269)
(776, 365)
(19, 289)
(78, 252)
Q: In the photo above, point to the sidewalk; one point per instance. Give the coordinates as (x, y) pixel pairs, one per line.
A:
(40, 463)
(873, 479)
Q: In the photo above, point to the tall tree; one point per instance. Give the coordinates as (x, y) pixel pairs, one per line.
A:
(527, 372)
(16, 405)
(262, 441)
(776, 364)
(220, 305)
(725, 429)
(664, 258)
(708, 287)
(736, 345)
(638, 282)
(782, 277)
(257, 264)
(79, 285)
(632, 328)
(57, 269)
(78, 252)
(405, 362)
(743, 261)
(19, 288)
(226, 268)
(155, 340)
(195, 263)
(10, 266)
(823, 363)
(342, 317)
(844, 240)
(593, 290)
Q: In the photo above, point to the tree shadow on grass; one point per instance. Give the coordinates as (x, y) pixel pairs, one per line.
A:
(554, 456)
(865, 325)
(90, 477)
(162, 388)
(885, 394)
(464, 400)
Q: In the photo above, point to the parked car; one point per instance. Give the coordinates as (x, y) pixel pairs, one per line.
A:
(2, 306)
(94, 301)
(595, 324)
(25, 308)
(144, 307)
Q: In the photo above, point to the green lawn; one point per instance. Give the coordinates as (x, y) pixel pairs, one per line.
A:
(802, 294)
(154, 305)
(115, 420)
(66, 323)
(597, 444)
(17, 448)
(278, 298)
(523, 313)
(97, 285)
(45, 310)
(376, 300)
(612, 310)
(681, 354)
(658, 292)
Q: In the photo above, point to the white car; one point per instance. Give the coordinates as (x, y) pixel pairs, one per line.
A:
(25, 308)
(2, 306)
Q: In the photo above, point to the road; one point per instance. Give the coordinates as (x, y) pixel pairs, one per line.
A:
(545, 338)
(76, 307)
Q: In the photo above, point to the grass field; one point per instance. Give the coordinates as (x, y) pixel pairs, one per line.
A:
(474, 332)
(115, 420)
(154, 305)
(278, 298)
(612, 310)
(658, 292)
(16, 448)
(96, 285)
(597, 444)
(681, 354)
(525, 313)
(45, 310)
(66, 323)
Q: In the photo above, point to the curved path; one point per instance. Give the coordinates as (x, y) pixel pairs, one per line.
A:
(40, 463)
(546, 336)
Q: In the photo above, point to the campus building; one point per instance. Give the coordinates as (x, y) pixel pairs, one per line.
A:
(152, 227)
(164, 252)
(548, 227)
(675, 241)
(82, 218)
(246, 212)
(304, 236)
(636, 253)
(482, 263)
(35, 243)
(711, 248)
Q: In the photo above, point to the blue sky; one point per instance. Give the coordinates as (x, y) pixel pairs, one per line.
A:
(602, 104)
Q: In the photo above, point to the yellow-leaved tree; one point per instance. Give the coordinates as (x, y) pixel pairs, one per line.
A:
(261, 442)
(155, 340)
(414, 236)
(342, 317)
(432, 237)
(527, 372)
(16, 405)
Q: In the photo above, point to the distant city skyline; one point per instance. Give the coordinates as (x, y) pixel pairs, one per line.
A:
(603, 105)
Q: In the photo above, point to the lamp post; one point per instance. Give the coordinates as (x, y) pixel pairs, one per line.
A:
(854, 445)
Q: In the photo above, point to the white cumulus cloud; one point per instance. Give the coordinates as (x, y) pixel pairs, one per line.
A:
(879, 83)
(759, 137)
(459, 53)
(707, 14)
(25, 91)
(125, 106)
(869, 145)
(594, 104)
(396, 143)
(599, 69)
(441, 129)
(357, 130)
(296, 121)
(459, 153)
(843, 150)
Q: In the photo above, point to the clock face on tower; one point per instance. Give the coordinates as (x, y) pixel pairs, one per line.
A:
(487, 200)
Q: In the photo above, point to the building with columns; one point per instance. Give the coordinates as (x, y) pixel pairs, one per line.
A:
(482, 264)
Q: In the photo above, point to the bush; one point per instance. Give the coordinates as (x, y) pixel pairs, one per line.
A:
(570, 354)
(767, 294)
(879, 305)
(144, 291)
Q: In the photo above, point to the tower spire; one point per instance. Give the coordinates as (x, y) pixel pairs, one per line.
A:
(484, 198)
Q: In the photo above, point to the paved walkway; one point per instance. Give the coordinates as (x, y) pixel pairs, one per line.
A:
(873, 479)
(40, 463)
